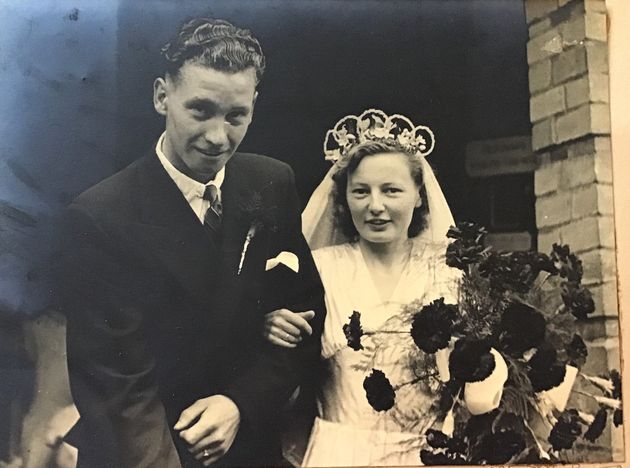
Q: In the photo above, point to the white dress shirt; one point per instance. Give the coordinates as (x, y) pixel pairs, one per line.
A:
(191, 189)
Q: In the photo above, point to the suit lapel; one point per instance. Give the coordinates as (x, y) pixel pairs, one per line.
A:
(238, 189)
(171, 231)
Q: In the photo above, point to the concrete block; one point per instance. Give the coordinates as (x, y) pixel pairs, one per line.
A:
(544, 46)
(582, 234)
(606, 228)
(553, 209)
(573, 31)
(570, 63)
(605, 298)
(600, 118)
(596, 56)
(590, 25)
(592, 200)
(603, 167)
(595, 5)
(547, 178)
(535, 9)
(605, 205)
(577, 92)
(539, 27)
(582, 147)
(543, 134)
(588, 88)
(540, 76)
(574, 124)
(547, 237)
(599, 266)
(584, 202)
(591, 118)
(547, 104)
(577, 172)
(598, 87)
(596, 26)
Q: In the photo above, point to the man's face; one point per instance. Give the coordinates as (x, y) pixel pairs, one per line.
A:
(207, 115)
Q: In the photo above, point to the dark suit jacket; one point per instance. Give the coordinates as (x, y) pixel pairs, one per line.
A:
(158, 316)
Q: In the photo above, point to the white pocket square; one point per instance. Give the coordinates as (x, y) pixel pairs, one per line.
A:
(288, 259)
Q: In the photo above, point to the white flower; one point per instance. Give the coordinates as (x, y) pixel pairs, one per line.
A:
(484, 396)
(333, 155)
(343, 137)
(604, 384)
(611, 402)
(448, 426)
(406, 138)
(248, 238)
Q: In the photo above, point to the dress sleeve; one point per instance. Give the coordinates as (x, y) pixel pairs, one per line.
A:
(329, 261)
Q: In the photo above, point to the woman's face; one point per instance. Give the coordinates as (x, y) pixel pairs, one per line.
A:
(382, 195)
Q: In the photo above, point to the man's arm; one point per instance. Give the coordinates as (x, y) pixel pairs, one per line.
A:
(123, 422)
(262, 389)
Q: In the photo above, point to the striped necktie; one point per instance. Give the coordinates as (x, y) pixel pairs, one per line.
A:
(212, 218)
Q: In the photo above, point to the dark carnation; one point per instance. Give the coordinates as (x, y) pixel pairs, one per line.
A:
(521, 328)
(457, 445)
(597, 426)
(566, 263)
(577, 351)
(514, 271)
(437, 439)
(479, 425)
(565, 432)
(615, 377)
(431, 328)
(545, 372)
(430, 458)
(499, 448)
(353, 331)
(618, 418)
(379, 391)
(255, 210)
(531, 457)
(467, 248)
(471, 360)
(578, 300)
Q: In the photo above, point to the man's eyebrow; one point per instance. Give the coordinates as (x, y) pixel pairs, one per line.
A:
(210, 104)
(201, 101)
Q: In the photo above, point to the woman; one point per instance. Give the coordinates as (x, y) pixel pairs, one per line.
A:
(381, 219)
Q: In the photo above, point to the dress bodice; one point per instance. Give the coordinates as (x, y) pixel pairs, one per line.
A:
(388, 345)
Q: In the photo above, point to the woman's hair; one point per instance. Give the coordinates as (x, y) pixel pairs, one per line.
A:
(342, 215)
(213, 43)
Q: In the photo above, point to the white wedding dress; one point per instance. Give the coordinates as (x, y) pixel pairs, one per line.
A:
(348, 431)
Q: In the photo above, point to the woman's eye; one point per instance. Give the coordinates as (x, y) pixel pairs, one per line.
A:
(359, 191)
(392, 190)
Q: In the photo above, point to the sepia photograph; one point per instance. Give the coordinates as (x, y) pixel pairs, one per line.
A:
(313, 233)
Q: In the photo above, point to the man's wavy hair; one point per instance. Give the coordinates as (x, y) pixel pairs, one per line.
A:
(214, 43)
(342, 216)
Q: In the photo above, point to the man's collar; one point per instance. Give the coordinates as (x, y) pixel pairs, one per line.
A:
(190, 188)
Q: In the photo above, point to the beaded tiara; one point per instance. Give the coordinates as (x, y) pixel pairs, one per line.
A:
(376, 125)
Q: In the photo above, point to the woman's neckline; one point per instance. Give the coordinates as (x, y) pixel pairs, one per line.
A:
(405, 258)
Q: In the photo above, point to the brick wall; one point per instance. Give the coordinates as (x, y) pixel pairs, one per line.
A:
(569, 111)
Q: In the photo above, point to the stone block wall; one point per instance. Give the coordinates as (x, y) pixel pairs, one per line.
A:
(567, 54)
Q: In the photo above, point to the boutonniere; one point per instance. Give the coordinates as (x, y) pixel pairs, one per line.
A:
(258, 217)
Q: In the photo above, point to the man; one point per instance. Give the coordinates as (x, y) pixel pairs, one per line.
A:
(169, 267)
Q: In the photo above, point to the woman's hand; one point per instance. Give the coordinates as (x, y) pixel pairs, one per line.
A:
(285, 328)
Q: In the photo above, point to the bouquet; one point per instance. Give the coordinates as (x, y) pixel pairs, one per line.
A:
(507, 357)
